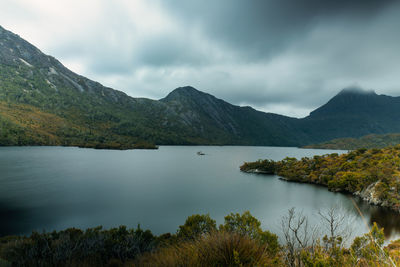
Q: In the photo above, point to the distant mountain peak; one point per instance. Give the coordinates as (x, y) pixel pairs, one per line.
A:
(356, 90)
(186, 88)
(184, 92)
(355, 100)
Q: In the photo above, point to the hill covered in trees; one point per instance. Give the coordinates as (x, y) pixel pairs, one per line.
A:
(372, 174)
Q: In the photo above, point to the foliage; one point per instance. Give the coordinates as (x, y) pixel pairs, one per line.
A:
(196, 226)
(247, 225)
(368, 249)
(238, 242)
(261, 166)
(94, 247)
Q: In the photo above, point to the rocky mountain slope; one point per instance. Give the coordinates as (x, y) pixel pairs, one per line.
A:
(45, 103)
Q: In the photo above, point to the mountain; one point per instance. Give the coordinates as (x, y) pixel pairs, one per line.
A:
(354, 113)
(209, 117)
(44, 103)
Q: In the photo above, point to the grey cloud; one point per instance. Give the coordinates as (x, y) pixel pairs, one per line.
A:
(166, 50)
(264, 28)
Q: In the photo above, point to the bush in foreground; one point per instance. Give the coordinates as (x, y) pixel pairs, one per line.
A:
(240, 241)
(220, 248)
(74, 247)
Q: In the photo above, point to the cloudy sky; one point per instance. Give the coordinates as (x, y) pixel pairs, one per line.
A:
(280, 56)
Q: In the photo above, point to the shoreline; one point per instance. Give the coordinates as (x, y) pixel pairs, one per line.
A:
(366, 195)
(97, 147)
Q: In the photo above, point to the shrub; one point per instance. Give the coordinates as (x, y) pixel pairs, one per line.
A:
(220, 248)
(71, 247)
(247, 225)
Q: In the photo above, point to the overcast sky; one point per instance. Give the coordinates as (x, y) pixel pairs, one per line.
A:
(279, 56)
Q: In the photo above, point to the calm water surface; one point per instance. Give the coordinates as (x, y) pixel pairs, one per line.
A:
(52, 188)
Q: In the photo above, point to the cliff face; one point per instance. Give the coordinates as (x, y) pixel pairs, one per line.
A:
(371, 195)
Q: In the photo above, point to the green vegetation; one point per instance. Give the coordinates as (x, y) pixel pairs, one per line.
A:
(373, 174)
(260, 166)
(74, 247)
(197, 243)
(368, 141)
(240, 241)
(22, 124)
(196, 226)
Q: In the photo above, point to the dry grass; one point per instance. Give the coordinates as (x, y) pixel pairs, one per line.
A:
(215, 249)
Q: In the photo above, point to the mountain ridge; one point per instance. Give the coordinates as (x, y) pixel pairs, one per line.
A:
(38, 86)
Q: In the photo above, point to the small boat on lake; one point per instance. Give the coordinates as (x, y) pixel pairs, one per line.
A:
(200, 153)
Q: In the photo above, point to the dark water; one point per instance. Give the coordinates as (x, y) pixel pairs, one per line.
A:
(52, 188)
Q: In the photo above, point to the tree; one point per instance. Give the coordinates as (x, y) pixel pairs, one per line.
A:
(244, 224)
(336, 222)
(298, 236)
(196, 226)
(247, 225)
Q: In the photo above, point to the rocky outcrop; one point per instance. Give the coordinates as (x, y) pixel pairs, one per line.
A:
(370, 195)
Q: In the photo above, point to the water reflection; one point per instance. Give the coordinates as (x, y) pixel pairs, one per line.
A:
(386, 218)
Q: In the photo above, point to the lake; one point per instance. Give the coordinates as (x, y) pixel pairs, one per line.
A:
(53, 188)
